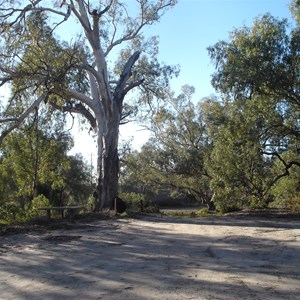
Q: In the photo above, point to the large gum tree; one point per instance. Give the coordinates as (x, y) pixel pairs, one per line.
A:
(102, 58)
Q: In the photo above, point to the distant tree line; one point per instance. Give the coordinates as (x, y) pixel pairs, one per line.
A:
(240, 149)
(236, 150)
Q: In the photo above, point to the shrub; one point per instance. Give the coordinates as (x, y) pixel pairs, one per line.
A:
(38, 202)
(203, 211)
(293, 203)
(133, 200)
(151, 209)
(227, 203)
(11, 211)
(90, 205)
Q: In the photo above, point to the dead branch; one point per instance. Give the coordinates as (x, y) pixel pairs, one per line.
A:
(126, 74)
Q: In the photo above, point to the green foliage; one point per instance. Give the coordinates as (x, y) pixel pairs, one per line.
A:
(90, 203)
(286, 190)
(180, 213)
(134, 200)
(257, 59)
(295, 10)
(203, 212)
(34, 166)
(77, 181)
(34, 157)
(44, 62)
(293, 203)
(237, 165)
(12, 212)
(82, 74)
(152, 209)
(237, 151)
(241, 150)
(124, 215)
(258, 124)
(235, 148)
(227, 201)
(38, 202)
(173, 160)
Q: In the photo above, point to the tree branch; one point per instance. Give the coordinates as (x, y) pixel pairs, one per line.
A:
(103, 11)
(8, 120)
(144, 21)
(133, 85)
(18, 121)
(3, 80)
(92, 71)
(126, 74)
(83, 98)
(31, 7)
(287, 166)
(82, 15)
(78, 108)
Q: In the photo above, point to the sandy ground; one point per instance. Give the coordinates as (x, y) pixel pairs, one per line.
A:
(155, 258)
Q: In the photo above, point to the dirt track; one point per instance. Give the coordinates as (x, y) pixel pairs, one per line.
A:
(155, 258)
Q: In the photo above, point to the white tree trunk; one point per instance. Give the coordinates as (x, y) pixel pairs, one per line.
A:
(102, 107)
(107, 161)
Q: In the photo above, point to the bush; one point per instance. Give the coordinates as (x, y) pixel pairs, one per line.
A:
(288, 201)
(151, 209)
(38, 202)
(203, 211)
(133, 200)
(292, 203)
(90, 205)
(223, 209)
(226, 203)
(11, 211)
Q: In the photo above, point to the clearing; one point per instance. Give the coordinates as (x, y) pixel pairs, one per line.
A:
(155, 257)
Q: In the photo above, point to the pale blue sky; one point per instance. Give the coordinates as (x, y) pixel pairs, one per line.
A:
(192, 25)
(185, 33)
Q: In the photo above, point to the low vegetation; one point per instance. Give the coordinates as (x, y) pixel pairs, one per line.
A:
(237, 151)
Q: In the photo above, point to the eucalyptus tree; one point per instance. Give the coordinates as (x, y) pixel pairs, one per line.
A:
(259, 65)
(241, 174)
(174, 156)
(34, 156)
(89, 74)
(76, 182)
(295, 10)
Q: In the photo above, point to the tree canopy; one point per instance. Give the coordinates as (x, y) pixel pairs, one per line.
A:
(257, 71)
(174, 158)
(34, 161)
(238, 149)
(75, 75)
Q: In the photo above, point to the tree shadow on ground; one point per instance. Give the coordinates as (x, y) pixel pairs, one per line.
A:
(154, 259)
(240, 220)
